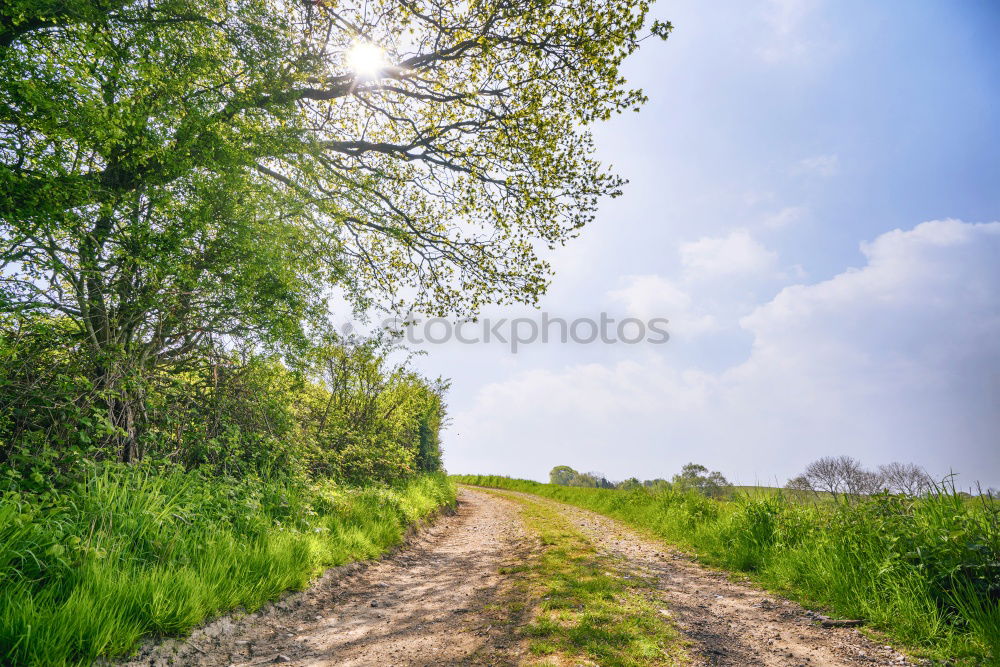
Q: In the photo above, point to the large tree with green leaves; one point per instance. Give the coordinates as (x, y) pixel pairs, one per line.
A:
(175, 173)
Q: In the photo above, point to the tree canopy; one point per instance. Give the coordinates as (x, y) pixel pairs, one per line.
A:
(180, 174)
(212, 156)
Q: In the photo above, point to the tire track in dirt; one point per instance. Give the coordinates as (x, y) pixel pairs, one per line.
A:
(729, 623)
(424, 605)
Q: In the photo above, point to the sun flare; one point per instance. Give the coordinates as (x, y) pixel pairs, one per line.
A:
(366, 60)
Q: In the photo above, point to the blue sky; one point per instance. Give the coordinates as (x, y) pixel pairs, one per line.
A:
(780, 179)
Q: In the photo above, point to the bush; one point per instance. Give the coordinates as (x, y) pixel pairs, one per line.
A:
(339, 410)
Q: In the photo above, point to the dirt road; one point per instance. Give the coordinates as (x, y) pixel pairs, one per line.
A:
(729, 623)
(433, 603)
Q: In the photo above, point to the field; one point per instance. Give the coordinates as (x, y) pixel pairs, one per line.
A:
(924, 571)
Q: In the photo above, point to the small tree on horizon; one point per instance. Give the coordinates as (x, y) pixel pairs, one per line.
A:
(562, 475)
(697, 477)
(906, 478)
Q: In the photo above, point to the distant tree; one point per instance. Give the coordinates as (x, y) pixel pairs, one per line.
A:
(799, 483)
(827, 474)
(628, 484)
(592, 480)
(906, 478)
(864, 482)
(600, 481)
(562, 475)
(842, 475)
(697, 477)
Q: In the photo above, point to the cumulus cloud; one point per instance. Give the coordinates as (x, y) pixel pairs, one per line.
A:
(736, 254)
(650, 296)
(896, 360)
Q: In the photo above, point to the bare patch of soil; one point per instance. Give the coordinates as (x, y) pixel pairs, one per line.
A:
(424, 605)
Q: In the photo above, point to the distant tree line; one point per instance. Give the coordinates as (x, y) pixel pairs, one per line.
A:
(846, 476)
(841, 476)
(693, 477)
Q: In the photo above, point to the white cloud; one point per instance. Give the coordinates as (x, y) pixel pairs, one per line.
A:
(822, 165)
(650, 296)
(736, 254)
(785, 217)
(898, 359)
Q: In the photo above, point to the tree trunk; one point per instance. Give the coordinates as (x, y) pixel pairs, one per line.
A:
(123, 417)
(120, 404)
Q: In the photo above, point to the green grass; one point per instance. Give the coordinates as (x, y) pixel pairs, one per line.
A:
(926, 572)
(126, 553)
(587, 610)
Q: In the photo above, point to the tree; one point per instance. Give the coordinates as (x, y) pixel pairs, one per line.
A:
(179, 175)
(694, 476)
(562, 475)
(371, 404)
(799, 483)
(906, 478)
(865, 482)
(598, 480)
(841, 475)
(629, 484)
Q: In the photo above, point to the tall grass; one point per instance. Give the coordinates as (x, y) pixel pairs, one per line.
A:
(128, 552)
(926, 571)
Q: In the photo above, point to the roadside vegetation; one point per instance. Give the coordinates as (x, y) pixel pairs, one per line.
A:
(247, 478)
(587, 607)
(131, 552)
(924, 570)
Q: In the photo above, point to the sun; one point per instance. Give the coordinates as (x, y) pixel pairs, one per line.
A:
(366, 60)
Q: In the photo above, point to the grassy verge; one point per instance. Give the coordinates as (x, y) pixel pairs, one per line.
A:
(926, 572)
(588, 612)
(128, 552)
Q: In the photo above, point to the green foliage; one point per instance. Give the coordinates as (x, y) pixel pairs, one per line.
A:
(699, 478)
(562, 475)
(128, 552)
(345, 411)
(924, 570)
(567, 476)
(374, 420)
(180, 176)
(185, 177)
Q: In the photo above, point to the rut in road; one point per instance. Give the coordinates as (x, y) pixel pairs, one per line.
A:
(429, 604)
